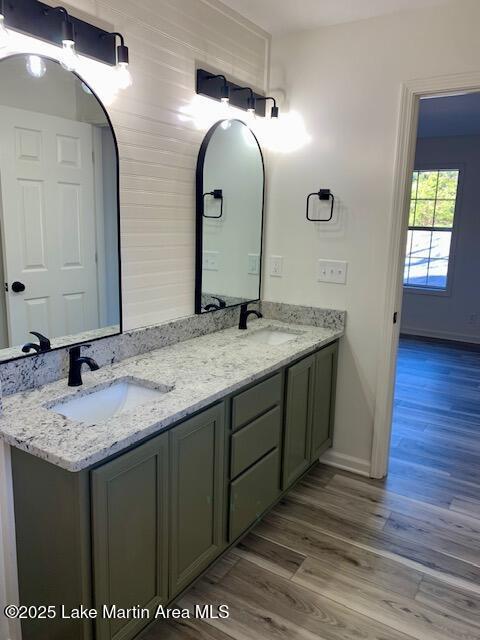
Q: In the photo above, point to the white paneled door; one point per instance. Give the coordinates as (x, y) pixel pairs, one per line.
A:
(48, 224)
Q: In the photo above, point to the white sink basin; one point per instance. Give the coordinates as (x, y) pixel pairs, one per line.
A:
(120, 397)
(272, 336)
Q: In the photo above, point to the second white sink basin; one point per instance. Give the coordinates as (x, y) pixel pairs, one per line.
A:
(98, 406)
(272, 336)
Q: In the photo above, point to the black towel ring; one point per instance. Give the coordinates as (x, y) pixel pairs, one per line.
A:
(217, 194)
(323, 194)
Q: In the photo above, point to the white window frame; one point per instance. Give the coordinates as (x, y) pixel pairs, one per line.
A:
(432, 291)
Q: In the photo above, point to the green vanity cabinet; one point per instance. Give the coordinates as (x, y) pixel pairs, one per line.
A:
(138, 529)
(323, 411)
(130, 535)
(298, 420)
(197, 495)
(309, 412)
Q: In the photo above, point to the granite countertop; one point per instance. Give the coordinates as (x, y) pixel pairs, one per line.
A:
(199, 372)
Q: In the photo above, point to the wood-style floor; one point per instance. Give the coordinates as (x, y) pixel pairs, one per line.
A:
(347, 558)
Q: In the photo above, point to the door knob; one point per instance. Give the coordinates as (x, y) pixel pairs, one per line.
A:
(18, 287)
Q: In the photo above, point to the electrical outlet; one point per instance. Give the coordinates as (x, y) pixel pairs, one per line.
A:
(253, 264)
(276, 266)
(211, 260)
(333, 271)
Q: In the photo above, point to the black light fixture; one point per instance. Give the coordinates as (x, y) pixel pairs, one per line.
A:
(68, 57)
(124, 77)
(274, 110)
(224, 90)
(251, 100)
(55, 25)
(218, 87)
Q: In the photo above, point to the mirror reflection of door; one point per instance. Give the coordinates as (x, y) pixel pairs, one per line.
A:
(232, 178)
(59, 210)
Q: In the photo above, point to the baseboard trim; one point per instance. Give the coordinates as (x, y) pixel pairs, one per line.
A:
(342, 461)
(440, 335)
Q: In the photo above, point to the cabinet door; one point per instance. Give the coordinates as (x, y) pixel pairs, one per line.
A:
(323, 400)
(298, 419)
(130, 535)
(197, 495)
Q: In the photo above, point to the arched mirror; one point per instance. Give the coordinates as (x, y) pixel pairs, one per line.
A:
(59, 210)
(230, 192)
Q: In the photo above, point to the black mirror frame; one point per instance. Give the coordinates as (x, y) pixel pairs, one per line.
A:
(200, 217)
(24, 54)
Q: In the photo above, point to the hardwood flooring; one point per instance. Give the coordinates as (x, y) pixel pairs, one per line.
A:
(348, 558)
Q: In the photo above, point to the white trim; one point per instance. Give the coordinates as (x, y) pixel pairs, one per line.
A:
(404, 164)
(441, 335)
(348, 463)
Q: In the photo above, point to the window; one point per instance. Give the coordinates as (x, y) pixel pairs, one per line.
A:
(430, 226)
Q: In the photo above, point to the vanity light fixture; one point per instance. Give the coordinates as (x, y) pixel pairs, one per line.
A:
(224, 90)
(68, 57)
(218, 87)
(4, 35)
(122, 71)
(274, 110)
(251, 100)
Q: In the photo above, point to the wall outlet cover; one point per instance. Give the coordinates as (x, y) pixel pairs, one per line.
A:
(276, 266)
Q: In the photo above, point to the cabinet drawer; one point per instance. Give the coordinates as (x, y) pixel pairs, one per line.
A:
(250, 404)
(252, 493)
(255, 440)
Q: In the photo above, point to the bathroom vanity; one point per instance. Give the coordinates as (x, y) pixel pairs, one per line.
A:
(132, 509)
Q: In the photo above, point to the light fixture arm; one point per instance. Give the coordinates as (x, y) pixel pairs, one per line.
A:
(225, 91)
(68, 32)
(274, 111)
(251, 102)
(122, 49)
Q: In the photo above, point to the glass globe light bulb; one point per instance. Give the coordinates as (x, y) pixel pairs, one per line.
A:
(123, 75)
(68, 55)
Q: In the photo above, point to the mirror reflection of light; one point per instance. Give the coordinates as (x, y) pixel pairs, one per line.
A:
(36, 66)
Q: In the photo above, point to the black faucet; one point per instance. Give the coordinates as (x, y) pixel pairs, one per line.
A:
(75, 370)
(44, 344)
(244, 313)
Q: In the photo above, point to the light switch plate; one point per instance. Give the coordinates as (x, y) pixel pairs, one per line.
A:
(253, 264)
(276, 266)
(211, 260)
(333, 271)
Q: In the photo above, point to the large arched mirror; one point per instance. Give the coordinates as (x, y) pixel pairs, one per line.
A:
(230, 192)
(59, 266)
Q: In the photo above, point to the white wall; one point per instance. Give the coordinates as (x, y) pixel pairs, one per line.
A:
(455, 316)
(346, 81)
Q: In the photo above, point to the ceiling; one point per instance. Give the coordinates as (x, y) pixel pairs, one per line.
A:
(282, 16)
(450, 116)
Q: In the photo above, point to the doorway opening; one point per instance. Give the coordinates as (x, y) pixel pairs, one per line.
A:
(436, 414)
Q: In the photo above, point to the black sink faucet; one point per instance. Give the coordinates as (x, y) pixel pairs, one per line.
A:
(76, 362)
(42, 346)
(244, 313)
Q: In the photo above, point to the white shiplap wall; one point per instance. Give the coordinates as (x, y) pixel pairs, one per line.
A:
(157, 151)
